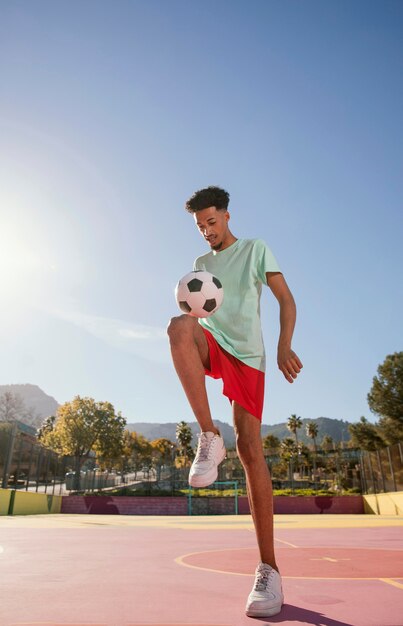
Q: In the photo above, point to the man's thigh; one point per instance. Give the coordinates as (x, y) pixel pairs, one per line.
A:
(184, 329)
(202, 344)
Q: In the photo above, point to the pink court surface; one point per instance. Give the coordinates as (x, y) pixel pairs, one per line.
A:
(100, 570)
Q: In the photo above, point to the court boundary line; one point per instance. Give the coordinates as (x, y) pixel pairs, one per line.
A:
(392, 581)
(179, 561)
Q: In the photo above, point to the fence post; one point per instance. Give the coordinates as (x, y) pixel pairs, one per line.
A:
(17, 471)
(9, 457)
(38, 468)
(391, 469)
(371, 472)
(378, 456)
(364, 486)
(56, 462)
(31, 454)
(46, 470)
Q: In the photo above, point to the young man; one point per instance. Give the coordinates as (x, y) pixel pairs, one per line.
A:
(229, 345)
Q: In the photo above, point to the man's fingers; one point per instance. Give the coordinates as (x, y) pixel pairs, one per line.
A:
(288, 374)
(298, 362)
(296, 365)
(291, 369)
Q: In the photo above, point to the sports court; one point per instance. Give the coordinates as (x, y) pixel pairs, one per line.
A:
(117, 570)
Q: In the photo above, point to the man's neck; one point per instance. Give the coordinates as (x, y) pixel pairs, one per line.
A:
(228, 241)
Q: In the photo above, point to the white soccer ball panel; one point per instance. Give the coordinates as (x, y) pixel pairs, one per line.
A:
(209, 290)
(196, 301)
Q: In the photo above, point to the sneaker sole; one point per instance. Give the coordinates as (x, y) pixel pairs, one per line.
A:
(264, 612)
(202, 481)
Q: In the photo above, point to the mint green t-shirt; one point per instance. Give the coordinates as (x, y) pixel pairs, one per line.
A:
(236, 325)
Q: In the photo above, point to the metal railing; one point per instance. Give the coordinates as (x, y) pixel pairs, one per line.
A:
(27, 465)
(382, 470)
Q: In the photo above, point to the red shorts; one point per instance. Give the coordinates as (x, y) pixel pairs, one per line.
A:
(241, 383)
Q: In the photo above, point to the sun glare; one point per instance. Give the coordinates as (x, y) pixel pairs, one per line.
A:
(23, 263)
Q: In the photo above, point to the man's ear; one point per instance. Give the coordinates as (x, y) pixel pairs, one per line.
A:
(227, 216)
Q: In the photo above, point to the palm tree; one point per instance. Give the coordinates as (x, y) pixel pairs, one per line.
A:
(293, 424)
(184, 436)
(327, 443)
(312, 432)
(288, 452)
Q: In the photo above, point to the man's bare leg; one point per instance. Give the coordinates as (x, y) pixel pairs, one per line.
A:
(260, 493)
(190, 356)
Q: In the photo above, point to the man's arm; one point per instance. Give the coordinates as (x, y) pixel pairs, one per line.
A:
(287, 361)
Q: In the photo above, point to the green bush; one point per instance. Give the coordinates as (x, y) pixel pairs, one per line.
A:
(204, 493)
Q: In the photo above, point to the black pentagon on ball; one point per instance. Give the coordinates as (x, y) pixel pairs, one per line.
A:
(210, 305)
(217, 282)
(185, 307)
(195, 285)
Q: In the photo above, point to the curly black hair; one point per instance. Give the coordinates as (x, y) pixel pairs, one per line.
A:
(204, 198)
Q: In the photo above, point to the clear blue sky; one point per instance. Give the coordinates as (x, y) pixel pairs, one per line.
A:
(113, 113)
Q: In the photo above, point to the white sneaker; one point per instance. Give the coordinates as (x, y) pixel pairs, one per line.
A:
(266, 597)
(210, 452)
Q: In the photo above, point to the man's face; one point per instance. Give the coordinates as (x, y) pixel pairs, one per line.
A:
(213, 226)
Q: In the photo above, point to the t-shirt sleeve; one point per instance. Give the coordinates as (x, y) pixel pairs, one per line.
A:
(265, 261)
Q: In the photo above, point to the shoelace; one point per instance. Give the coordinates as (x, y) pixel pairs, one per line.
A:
(204, 448)
(263, 576)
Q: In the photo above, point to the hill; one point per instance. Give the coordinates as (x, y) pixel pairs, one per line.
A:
(34, 405)
(337, 429)
(31, 404)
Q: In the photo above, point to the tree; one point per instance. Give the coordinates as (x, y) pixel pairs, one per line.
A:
(137, 451)
(365, 435)
(161, 452)
(271, 442)
(164, 447)
(386, 397)
(293, 425)
(289, 452)
(327, 443)
(12, 407)
(184, 437)
(312, 431)
(304, 457)
(83, 425)
(47, 427)
(390, 430)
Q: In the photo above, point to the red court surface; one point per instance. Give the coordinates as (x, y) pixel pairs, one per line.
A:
(99, 570)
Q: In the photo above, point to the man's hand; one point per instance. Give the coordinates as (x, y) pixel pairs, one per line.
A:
(288, 363)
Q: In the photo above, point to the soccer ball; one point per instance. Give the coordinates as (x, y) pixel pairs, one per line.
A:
(199, 294)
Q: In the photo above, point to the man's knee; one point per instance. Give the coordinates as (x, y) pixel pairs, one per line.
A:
(180, 327)
(249, 448)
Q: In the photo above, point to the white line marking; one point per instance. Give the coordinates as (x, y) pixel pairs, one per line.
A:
(286, 542)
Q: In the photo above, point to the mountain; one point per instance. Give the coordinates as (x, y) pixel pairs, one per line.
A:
(30, 404)
(168, 430)
(337, 429)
